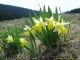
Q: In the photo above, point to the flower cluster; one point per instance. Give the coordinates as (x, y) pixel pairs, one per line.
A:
(49, 23)
(22, 40)
(48, 30)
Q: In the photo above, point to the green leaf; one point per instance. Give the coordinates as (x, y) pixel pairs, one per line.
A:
(65, 36)
(44, 12)
(60, 14)
(27, 47)
(35, 15)
(56, 14)
(32, 21)
(27, 22)
(49, 12)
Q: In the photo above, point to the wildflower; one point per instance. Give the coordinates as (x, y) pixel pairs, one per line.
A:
(60, 28)
(41, 23)
(1, 49)
(57, 29)
(26, 33)
(32, 31)
(50, 26)
(49, 21)
(23, 42)
(37, 27)
(10, 39)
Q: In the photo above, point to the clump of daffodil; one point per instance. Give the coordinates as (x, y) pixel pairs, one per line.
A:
(49, 27)
(10, 39)
(23, 42)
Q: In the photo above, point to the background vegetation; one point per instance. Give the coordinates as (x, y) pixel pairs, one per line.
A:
(8, 12)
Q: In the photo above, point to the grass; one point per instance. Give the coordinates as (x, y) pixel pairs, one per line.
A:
(70, 50)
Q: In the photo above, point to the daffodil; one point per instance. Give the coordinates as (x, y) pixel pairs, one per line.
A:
(23, 42)
(10, 39)
(50, 26)
(37, 27)
(49, 21)
(33, 31)
(60, 28)
(1, 49)
(41, 23)
(26, 33)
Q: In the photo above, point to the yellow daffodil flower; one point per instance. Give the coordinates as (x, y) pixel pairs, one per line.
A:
(60, 29)
(41, 23)
(57, 29)
(23, 42)
(10, 39)
(26, 33)
(49, 21)
(38, 27)
(63, 30)
(50, 26)
(33, 32)
(1, 49)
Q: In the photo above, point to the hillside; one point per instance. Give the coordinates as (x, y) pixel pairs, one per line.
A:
(8, 12)
(76, 10)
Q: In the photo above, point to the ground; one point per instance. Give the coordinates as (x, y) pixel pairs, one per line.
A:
(71, 49)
